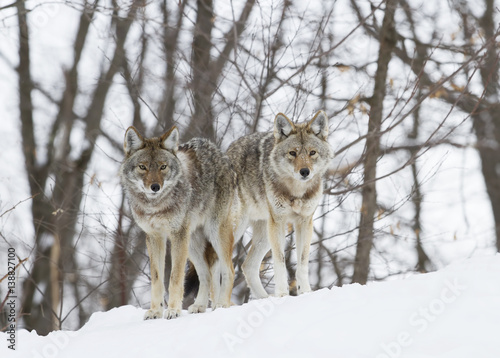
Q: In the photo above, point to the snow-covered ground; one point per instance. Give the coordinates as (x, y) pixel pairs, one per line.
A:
(451, 313)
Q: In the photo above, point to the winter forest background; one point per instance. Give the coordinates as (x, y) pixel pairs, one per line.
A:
(410, 86)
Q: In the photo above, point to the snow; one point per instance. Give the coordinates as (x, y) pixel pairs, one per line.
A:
(379, 320)
(451, 313)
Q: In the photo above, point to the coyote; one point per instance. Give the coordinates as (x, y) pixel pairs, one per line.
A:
(178, 192)
(280, 181)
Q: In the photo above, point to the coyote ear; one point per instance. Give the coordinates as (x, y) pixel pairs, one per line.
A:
(133, 141)
(282, 126)
(319, 125)
(170, 140)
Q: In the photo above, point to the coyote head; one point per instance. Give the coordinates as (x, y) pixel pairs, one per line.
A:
(150, 165)
(301, 151)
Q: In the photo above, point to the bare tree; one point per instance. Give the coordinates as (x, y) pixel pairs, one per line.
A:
(482, 107)
(372, 147)
(219, 71)
(55, 213)
(207, 71)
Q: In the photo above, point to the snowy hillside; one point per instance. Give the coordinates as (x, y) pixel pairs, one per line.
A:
(452, 313)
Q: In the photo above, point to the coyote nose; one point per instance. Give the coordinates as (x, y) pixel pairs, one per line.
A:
(155, 187)
(304, 172)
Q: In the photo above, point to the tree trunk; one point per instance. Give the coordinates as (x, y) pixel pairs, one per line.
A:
(170, 40)
(34, 317)
(423, 261)
(59, 214)
(206, 73)
(127, 252)
(201, 124)
(372, 147)
(486, 123)
(484, 110)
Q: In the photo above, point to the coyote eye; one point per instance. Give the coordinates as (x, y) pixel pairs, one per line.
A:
(293, 153)
(312, 152)
(142, 167)
(163, 167)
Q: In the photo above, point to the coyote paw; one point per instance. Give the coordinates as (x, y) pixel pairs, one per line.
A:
(194, 308)
(281, 294)
(171, 313)
(301, 290)
(153, 314)
(259, 296)
(220, 305)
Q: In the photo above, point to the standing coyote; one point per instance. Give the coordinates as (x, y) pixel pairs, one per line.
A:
(280, 181)
(174, 191)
